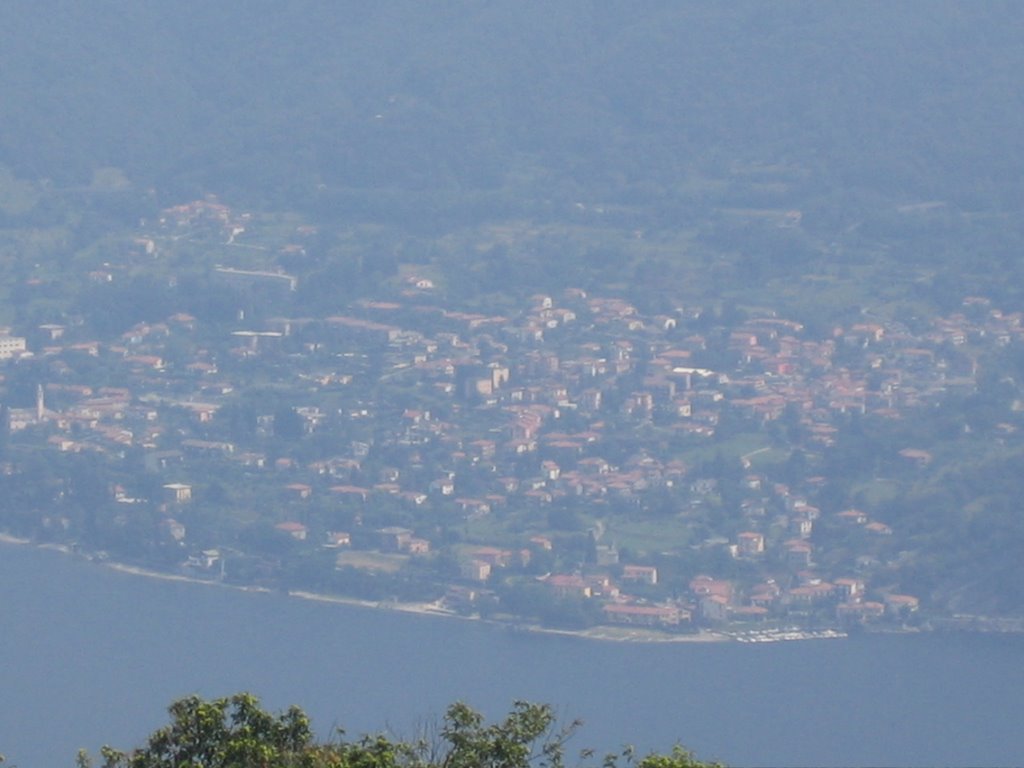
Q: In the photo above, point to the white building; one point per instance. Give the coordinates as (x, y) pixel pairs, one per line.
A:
(11, 346)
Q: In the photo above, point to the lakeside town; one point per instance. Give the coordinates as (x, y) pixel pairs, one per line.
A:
(569, 461)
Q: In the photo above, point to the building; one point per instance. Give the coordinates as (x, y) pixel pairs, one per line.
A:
(394, 538)
(179, 493)
(644, 574)
(11, 346)
(475, 570)
(750, 543)
(294, 529)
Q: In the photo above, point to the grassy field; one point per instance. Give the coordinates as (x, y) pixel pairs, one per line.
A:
(371, 561)
(648, 535)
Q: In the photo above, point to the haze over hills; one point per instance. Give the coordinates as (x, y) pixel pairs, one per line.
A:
(624, 101)
(892, 129)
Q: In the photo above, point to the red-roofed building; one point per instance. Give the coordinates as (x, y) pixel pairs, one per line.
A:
(294, 529)
(644, 574)
(568, 585)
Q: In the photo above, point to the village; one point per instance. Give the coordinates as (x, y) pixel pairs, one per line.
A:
(571, 461)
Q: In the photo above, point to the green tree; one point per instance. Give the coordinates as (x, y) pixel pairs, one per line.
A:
(235, 732)
(287, 424)
(529, 736)
(677, 758)
(224, 732)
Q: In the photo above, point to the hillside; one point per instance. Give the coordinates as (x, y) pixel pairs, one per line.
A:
(675, 287)
(611, 101)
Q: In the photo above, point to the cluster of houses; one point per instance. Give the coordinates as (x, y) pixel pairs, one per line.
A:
(460, 416)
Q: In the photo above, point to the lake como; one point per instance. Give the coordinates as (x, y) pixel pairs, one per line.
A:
(90, 656)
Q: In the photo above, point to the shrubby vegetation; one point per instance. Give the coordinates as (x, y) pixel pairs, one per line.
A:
(236, 732)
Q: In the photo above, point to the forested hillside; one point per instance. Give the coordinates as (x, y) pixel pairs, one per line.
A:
(612, 101)
(892, 129)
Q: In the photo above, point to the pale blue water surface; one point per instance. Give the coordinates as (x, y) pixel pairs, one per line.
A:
(91, 656)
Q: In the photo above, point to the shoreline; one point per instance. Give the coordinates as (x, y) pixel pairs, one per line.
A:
(606, 633)
(601, 633)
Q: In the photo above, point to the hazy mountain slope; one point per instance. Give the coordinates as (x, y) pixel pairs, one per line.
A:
(919, 99)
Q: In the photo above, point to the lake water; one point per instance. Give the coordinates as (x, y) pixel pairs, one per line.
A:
(91, 656)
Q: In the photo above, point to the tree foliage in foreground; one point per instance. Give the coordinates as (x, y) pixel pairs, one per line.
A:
(236, 732)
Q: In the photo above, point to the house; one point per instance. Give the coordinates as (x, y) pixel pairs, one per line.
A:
(900, 606)
(801, 526)
(52, 331)
(496, 558)
(810, 594)
(714, 607)
(294, 529)
(394, 538)
(298, 490)
(850, 589)
(703, 586)
(550, 470)
(853, 517)
(542, 542)
(336, 539)
(750, 544)
(179, 493)
(146, 361)
(916, 457)
(538, 496)
(643, 574)
(765, 594)
(11, 346)
(601, 586)
(474, 508)
(798, 552)
(205, 560)
(417, 546)
(443, 486)
(475, 570)
(568, 585)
